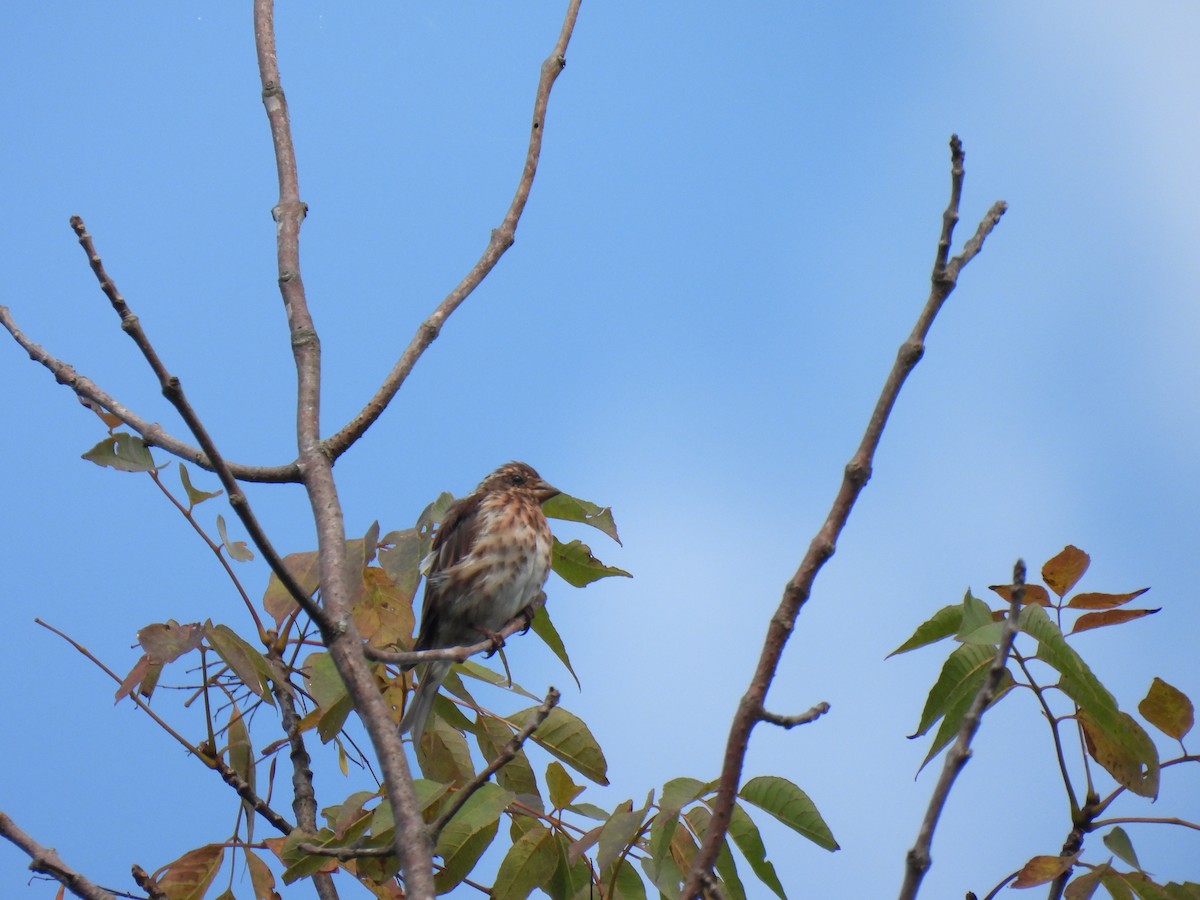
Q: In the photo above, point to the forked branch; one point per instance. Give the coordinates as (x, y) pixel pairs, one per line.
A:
(796, 593)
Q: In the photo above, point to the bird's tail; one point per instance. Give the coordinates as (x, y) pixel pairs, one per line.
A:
(414, 718)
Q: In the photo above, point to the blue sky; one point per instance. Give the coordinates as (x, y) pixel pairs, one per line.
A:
(730, 234)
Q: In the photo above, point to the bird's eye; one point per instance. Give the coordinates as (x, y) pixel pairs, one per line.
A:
(516, 479)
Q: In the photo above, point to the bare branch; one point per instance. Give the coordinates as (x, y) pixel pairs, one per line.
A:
(228, 775)
(46, 861)
(960, 751)
(151, 432)
(501, 239)
(792, 721)
(341, 636)
(173, 390)
(503, 758)
(857, 472)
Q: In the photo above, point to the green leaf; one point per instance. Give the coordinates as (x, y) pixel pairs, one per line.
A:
(250, 666)
(620, 832)
(563, 790)
(571, 880)
(942, 624)
(1077, 682)
(659, 865)
(575, 564)
(122, 451)
(401, 559)
(976, 615)
(960, 703)
(237, 549)
(443, 754)
(469, 834)
(1168, 709)
(566, 737)
(241, 760)
(791, 806)
(627, 885)
(530, 862)
(748, 840)
(962, 673)
(517, 775)
(194, 495)
(544, 628)
(1118, 842)
(572, 509)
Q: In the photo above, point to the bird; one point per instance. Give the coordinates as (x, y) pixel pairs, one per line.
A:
(490, 560)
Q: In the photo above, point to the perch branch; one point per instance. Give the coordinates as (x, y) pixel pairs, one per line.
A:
(46, 861)
(501, 239)
(518, 623)
(857, 472)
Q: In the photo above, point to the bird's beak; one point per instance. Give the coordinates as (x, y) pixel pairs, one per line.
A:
(546, 491)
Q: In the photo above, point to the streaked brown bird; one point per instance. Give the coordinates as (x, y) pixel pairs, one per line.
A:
(491, 556)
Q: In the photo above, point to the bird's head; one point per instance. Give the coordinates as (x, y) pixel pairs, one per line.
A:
(519, 477)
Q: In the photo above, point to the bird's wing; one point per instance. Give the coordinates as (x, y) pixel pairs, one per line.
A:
(451, 543)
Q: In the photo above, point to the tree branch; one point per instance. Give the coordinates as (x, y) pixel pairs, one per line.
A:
(501, 239)
(518, 623)
(151, 432)
(47, 861)
(858, 471)
(173, 390)
(960, 751)
(790, 722)
(341, 636)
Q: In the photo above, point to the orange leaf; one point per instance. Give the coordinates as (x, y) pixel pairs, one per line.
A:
(1034, 593)
(1109, 617)
(189, 876)
(1042, 869)
(1168, 709)
(1102, 601)
(1061, 572)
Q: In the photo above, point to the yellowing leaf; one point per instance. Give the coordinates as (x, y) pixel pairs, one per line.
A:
(188, 877)
(1102, 601)
(1136, 768)
(195, 496)
(237, 549)
(1034, 593)
(1062, 571)
(563, 790)
(1091, 620)
(1168, 709)
(303, 568)
(122, 451)
(1043, 869)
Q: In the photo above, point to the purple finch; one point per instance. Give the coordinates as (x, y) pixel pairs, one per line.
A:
(491, 556)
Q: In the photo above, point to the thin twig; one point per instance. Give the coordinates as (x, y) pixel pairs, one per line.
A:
(46, 861)
(501, 239)
(503, 758)
(228, 775)
(173, 390)
(792, 721)
(857, 472)
(960, 751)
